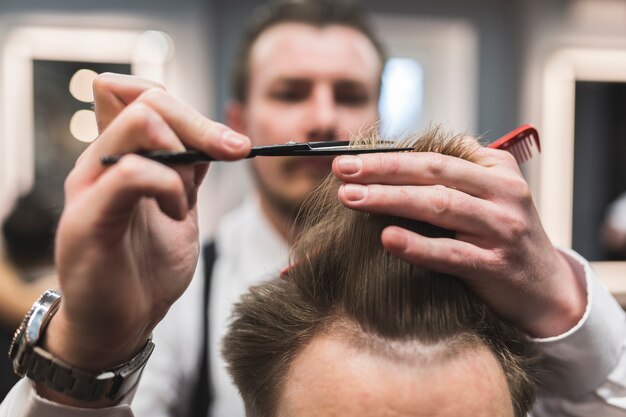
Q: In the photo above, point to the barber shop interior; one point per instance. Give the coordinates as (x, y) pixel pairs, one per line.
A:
(297, 208)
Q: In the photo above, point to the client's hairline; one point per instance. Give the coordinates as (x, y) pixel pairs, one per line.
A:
(408, 351)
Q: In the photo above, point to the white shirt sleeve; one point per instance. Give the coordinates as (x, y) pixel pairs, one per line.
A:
(584, 370)
(23, 401)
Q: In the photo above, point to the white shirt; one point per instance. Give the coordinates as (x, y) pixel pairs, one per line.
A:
(249, 251)
(585, 367)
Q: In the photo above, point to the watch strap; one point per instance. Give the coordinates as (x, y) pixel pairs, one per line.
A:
(115, 384)
(30, 359)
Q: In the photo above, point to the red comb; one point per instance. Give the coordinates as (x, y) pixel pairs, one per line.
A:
(521, 143)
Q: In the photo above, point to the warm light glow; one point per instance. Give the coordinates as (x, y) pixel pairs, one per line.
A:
(81, 85)
(154, 47)
(21, 46)
(83, 126)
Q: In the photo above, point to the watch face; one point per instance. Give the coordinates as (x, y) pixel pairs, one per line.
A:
(32, 323)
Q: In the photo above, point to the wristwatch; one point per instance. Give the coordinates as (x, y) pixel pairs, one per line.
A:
(32, 361)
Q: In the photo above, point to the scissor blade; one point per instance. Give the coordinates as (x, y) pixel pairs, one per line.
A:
(326, 148)
(347, 150)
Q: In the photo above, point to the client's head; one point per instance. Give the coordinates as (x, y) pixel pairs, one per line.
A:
(350, 330)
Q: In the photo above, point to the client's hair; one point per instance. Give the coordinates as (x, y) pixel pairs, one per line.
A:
(343, 279)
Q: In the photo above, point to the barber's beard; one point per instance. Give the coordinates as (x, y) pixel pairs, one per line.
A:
(287, 207)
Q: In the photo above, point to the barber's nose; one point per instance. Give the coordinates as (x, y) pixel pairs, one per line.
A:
(323, 115)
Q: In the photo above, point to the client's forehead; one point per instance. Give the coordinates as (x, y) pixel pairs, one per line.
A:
(332, 377)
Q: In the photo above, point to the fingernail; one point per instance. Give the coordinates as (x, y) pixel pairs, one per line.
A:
(354, 192)
(234, 140)
(349, 165)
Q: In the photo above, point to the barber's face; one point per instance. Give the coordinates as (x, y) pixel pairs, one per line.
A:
(332, 378)
(307, 84)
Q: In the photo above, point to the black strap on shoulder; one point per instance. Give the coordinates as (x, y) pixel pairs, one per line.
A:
(203, 393)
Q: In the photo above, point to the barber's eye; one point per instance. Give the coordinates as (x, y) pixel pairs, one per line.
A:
(352, 99)
(351, 96)
(291, 95)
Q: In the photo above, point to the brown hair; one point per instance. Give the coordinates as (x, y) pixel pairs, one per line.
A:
(319, 13)
(343, 276)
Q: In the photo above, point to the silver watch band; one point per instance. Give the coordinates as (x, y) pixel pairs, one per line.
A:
(42, 367)
(82, 385)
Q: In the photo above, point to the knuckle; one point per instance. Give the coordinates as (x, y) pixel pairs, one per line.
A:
(519, 189)
(440, 199)
(507, 158)
(101, 83)
(383, 163)
(516, 228)
(159, 86)
(393, 165)
(495, 260)
(436, 164)
(128, 167)
(147, 124)
(139, 113)
(209, 130)
(152, 95)
(456, 256)
(70, 183)
(171, 182)
(175, 184)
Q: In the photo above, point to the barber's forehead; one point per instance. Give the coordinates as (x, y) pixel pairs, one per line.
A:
(294, 47)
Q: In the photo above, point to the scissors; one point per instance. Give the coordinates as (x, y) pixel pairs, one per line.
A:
(521, 142)
(324, 148)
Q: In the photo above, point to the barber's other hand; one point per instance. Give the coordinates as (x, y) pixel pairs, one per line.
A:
(501, 250)
(127, 242)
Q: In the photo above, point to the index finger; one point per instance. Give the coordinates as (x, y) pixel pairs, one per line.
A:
(416, 168)
(113, 92)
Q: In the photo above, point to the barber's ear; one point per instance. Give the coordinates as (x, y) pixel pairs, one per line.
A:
(235, 116)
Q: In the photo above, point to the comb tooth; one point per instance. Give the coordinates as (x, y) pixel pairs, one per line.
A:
(531, 144)
(522, 150)
(511, 150)
(535, 141)
(529, 150)
(516, 153)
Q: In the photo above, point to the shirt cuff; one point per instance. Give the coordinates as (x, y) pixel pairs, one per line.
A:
(23, 401)
(578, 361)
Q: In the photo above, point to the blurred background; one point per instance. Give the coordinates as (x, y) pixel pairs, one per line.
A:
(481, 67)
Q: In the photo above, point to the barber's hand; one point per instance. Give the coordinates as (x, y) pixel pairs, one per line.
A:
(501, 250)
(127, 242)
